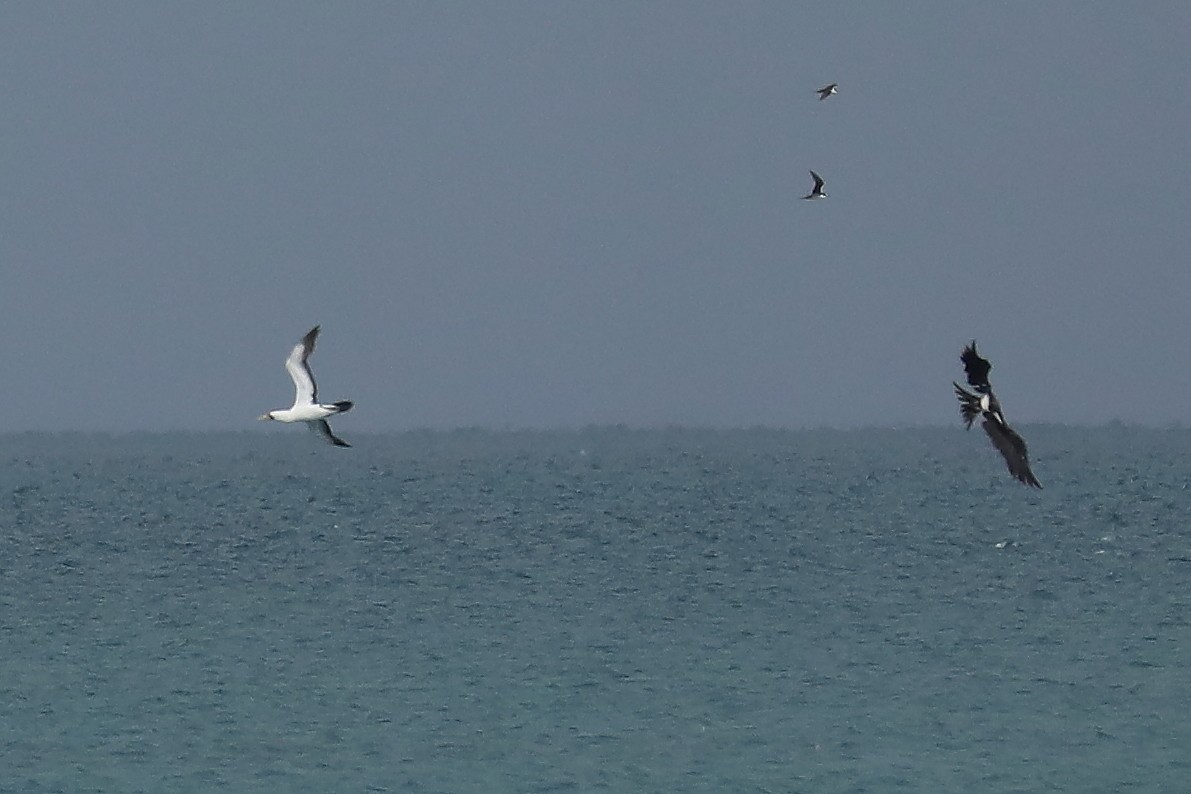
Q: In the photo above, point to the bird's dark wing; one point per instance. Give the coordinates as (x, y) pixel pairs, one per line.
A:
(818, 181)
(1013, 448)
(324, 429)
(976, 368)
(969, 404)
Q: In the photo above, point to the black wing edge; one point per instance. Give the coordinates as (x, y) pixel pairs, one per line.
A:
(322, 427)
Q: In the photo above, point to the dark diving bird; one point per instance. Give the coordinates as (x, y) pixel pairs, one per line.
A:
(826, 91)
(981, 402)
(817, 190)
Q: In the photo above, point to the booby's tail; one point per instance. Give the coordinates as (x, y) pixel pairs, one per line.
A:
(343, 406)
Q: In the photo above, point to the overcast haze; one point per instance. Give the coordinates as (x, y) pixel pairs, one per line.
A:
(553, 214)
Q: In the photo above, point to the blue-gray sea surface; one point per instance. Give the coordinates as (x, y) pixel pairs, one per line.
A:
(599, 610)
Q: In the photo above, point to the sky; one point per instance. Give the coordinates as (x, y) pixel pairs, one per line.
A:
(556, 214)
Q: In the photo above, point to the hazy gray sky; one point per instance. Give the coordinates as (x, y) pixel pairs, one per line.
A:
(561, 213)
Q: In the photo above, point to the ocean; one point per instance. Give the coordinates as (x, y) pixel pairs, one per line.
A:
(606, 609)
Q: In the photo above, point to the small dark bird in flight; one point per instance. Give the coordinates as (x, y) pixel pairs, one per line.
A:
(817, 190)
(983, 403)
(826, 91)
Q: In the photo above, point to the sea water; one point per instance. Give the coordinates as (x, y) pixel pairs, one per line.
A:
(600, 610)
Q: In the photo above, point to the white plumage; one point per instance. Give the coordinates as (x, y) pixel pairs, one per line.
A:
(306, 407)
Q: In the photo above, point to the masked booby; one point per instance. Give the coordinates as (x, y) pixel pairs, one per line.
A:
(306, 407)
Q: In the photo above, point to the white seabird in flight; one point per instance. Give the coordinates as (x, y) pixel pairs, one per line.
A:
(984, 403)
(817, 190)
(306, 406)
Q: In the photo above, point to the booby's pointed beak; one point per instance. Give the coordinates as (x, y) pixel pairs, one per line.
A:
(263, 417)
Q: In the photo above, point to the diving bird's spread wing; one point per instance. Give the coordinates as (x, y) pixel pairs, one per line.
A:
(969, 404)
(324, 429)
(976, 368)
(1013, 448)
(299, 370)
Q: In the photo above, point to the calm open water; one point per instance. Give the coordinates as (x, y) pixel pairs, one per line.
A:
(601, 610)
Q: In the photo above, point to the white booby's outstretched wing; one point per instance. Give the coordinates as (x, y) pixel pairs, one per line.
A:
(1013, 448)
(322, 428)
(306, 391)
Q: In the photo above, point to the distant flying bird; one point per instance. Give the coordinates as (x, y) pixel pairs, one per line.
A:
(984, 403)
(306, 406)
(817, 190)
(826, 91)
